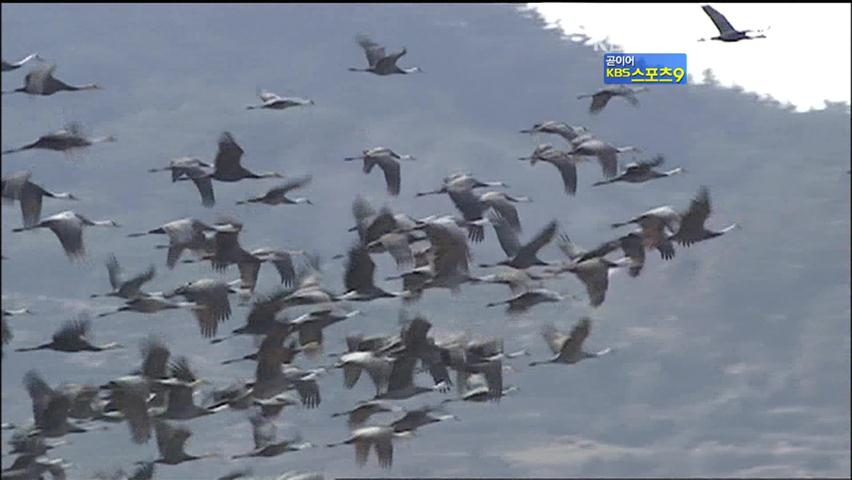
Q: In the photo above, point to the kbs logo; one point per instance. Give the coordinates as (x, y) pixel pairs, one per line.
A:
(623, 68)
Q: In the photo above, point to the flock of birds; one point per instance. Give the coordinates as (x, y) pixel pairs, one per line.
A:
(158, 398)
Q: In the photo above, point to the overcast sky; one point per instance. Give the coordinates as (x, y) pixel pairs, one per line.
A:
(732, 359)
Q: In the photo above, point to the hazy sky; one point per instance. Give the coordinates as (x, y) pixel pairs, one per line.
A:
(804, 60)
(732, 359)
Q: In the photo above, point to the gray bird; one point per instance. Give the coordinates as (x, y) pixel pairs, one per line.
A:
(569, 348)
(273, 101)
(602, 96)
(566, 164)
(388, 161)
(278, 195)
(125, 288)
(42, 82)
(727, 33)
(69, 138)
(639, 172)
(380, 63)
(692, 221)
(17, 186)
(68, 228)
(265, 444)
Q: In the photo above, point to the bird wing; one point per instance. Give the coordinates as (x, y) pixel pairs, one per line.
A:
(362, 452)
(384, 451)
(402, 373)
(248, 273)
(390, 167)
(383, 223)
(229, 154)
(569, 248)
(166, 434)
(13, 184)
(359, 270)
(692, 220)
(596, 281)
(155, 357)
(634, 249)
(574, 344)
(283, 263)
(568, 171)
(73, 331)
(398, 247)
(131, 399)
(31, 199)
(654, 162)
(114, 270)
(70, 234)
(290, 185)
(181, 370)
(608, 158)
(135, 283)
(554, 338)
(266, 96)
(599, 101)
(602, 250)
(40, 394)
(361, 211)
(506, 210)
(263, 430)
(506, 235)
(205, 188)
(218, 308)
(541, 239)
(373, 50)
(722, 23)
(467, 203)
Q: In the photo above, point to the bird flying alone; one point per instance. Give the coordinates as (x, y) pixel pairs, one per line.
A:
(727, 33)
(380, 63)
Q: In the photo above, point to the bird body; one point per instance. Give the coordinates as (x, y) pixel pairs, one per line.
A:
(606, 154)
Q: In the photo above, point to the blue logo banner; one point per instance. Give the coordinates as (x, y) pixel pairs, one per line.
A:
(644, 68)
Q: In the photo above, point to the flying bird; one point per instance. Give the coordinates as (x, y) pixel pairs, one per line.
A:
(388, 161)
(73, 336)
(727, 33)
(278, 195)
(603, 96)
(692, 221)
(606, 154)
(17, 186)
(568, 349)
(639, 172)
(566, 164)
(68, 227)
(379, 62)
(272, 101)
(125, 288)
(66, 140)
(191, 168)
(42, 82)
